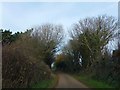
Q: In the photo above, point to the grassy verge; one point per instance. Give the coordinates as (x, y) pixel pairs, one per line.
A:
(47, 83)
(90, 82)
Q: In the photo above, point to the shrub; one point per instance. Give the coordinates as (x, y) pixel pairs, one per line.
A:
(21, 68)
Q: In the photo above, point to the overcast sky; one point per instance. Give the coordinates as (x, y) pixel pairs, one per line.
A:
(19, 16)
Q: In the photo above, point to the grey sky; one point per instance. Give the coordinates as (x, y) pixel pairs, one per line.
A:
(21, 16)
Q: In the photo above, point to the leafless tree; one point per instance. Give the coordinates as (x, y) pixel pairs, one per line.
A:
(49, 37)
(94, 34)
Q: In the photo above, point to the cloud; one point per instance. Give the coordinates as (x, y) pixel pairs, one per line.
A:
(0, 14)
(20, 16)
(23, 15)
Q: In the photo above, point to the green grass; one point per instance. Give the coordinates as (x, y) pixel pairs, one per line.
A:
(43, 84)
(90, 82)
(46, 83)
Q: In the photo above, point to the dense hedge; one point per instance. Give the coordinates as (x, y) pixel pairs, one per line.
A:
(20, 67)
(108, 70)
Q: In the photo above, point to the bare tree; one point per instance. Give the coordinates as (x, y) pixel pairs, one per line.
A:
(94, 34)
(48, 33)
(49, 36)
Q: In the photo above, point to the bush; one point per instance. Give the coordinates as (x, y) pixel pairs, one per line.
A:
(21, 68)
(108, 70)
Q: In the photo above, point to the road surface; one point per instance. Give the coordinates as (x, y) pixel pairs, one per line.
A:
(66, 81)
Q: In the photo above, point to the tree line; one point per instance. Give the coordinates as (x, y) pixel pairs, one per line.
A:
(27, 56)
(87, 51)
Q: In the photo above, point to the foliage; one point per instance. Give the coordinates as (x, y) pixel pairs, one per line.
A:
(92, 35)
(0, 35)
(107, 70)
(87, 50)
(49, 36)
(21, 67)
(89, 38)
(26, 56)
(66, 63)
(8, 37)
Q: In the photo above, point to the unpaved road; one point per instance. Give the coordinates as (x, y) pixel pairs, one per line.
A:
(66, 81)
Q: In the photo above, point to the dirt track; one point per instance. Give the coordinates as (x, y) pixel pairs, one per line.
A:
(66, 81)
